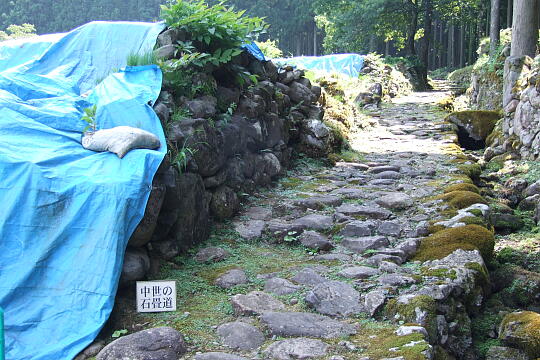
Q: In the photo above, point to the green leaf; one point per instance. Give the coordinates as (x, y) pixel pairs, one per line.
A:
(119, 333)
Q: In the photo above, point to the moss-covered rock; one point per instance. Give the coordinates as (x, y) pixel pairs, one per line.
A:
(522, 330)
(472, 171)
(462, 77)
(478, 124)
(462, 187)
(443, 243)
(462, 199)
(421, 309)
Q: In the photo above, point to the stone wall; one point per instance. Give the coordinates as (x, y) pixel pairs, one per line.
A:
(521, 124)
(234, 140)
(485, 91)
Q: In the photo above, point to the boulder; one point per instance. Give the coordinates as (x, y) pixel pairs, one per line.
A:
(358, 272)
(240, 336)
(308, 276)
(478, 124)
(211, 254)
(361, 244)
(136, 265)
(395, 201)
(255, 303)
(144, 231)
(251, 229)
(315, 222)
(334, 298)
(505, 353)
(294, 324)
(316, 241)
(319, 202)
(218, 356)
(205, 142)
(300, 93)
(315, 138)
(189, 200)
(232, 278)
(203, 107)
(163, 343)
(224, 203)
(358, 228)
(522, 330)
(280, 286)
(299, 348)
(374, 212)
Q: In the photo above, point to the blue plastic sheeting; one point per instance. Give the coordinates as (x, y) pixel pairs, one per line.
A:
(347, 64)
(254, 50)
(67, 212)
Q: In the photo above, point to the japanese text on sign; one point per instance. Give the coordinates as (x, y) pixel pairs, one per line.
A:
(156, 296)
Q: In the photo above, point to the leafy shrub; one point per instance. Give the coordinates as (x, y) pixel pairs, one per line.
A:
(17, 32)
(270, 49)
(217, 31)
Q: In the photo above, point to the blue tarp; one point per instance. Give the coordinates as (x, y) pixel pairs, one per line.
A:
(67, 213)
(254, 50)
(348, 64)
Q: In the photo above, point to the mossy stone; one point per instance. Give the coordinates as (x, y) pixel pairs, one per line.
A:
(478, 123)
(408, 314)
(445, 242)
(462, 199)
(522, 330)
(471, 170)
(462, 187)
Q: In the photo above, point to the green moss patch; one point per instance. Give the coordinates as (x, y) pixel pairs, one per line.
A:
(445, 242)
(407, 312)
(479, 123)
(462, 187)
(471, 170)
(522, 329)
(377, 338)
(462, 199)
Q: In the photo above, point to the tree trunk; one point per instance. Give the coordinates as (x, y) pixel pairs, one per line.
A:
(387, 48)
(413, 27)
(494, 27)
(472, 29)
(444, 45)
(524, 28)
(462, 46)
(424, 56)
(450, 51)
(315, 39)
(509, 12)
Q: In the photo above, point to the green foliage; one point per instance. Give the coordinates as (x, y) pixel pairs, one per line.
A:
(218, 31)
(17, 32)
(180, 114)
(270, 49)
(180, 157)
(136, 59)
(90, 118)
(119, 333)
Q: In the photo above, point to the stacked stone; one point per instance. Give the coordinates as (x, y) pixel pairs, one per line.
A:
(235, 155)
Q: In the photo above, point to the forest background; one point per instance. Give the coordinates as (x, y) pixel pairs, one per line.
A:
(437, 33)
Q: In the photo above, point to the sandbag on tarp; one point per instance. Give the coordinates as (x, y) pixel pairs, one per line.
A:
(68, 212)
(348, 64)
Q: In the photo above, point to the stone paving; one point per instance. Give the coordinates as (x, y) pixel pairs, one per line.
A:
(358, 294)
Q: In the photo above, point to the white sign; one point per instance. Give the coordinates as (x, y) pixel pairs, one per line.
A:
(156, 296)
